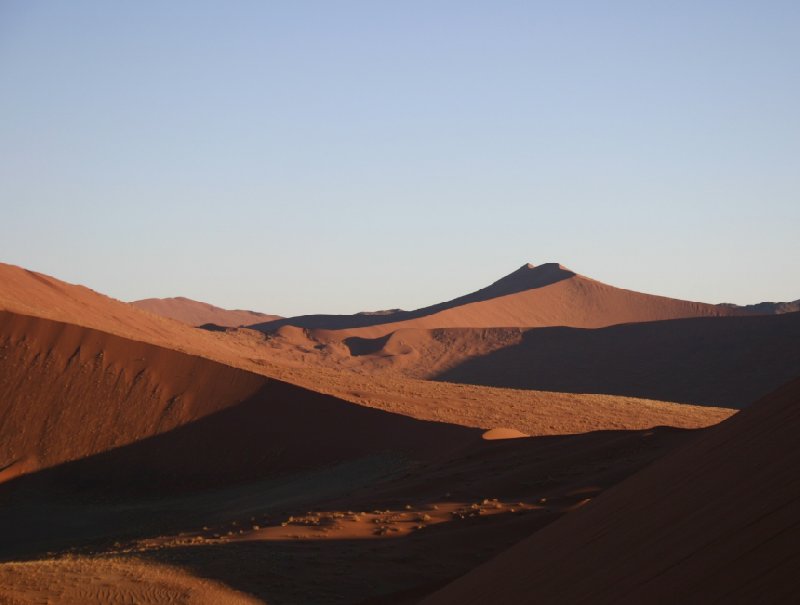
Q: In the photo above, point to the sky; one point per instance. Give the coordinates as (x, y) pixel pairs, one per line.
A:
(300, 157)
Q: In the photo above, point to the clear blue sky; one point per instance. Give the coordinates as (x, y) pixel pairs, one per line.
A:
(326, 156)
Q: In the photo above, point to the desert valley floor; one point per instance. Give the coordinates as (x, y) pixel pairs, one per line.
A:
(546, 439)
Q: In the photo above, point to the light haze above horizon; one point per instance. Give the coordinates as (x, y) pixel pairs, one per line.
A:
(320, 157)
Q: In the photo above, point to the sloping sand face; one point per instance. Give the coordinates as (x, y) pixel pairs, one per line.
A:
(163, 417)
(78, 581)
(713, 522)
(70, 391)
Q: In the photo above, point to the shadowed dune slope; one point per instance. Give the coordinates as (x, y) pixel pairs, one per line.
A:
(279, 430)
(195, 313)
(726, 361)
(714, 522)
(547, 295)
(70, 392)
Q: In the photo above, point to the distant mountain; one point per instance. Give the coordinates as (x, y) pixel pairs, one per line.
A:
(532, 296)
(196, 313)
(765, 308)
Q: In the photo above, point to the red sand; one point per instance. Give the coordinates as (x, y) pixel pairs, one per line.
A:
(141, 428)
(714, 522)
(547, 295)
(295, 357)
(69, 392)
(197, 313)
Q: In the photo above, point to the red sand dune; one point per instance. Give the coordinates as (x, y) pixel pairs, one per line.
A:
(197, 313)
(714, 522)
(109, 408)
(70, 392)
(547, 295)
(321, 369)
(30, 293)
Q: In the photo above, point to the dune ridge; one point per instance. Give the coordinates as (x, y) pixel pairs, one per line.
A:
(532, 296)
(196, 313)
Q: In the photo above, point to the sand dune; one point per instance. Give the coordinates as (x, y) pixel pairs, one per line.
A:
(531, 296)
(326, 366)
(197, 313)
(70, 392)
(183, 470)
(713, 522)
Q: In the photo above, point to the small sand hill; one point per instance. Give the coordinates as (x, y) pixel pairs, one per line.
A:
(197, 313)
(500, 433)
(531, 296)
(714, 522)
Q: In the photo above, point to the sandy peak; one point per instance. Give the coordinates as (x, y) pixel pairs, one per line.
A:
(543, 266)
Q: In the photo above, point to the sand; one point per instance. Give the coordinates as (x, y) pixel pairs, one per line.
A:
(144, 459)
(716, 521)
(195, 313)
(81, 580)
(165, 417)
(547, 295)
(368, 529)
(70, 392)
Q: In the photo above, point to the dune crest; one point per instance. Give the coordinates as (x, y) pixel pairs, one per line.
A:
(196, 313)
